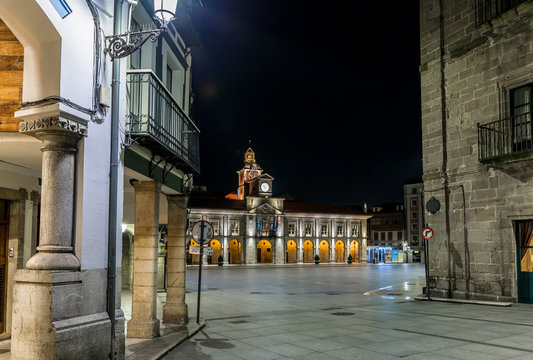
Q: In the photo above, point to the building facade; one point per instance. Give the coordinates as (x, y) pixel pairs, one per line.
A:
(387, 234)
(60, 299)
(476, 82)
(414, 220)
(263, 228)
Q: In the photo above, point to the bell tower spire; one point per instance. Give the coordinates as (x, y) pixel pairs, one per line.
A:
(249, 155)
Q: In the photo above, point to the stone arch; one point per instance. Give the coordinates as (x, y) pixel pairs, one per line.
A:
(234, 252)
(264, 252)
(339, 251)
(217, 251)
(291, 252)
(308, 251)
(323, 251)
(355, 251)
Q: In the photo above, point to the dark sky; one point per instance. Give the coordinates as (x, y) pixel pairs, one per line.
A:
(327, 91)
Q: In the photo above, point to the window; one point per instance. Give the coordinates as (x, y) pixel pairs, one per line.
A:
(324, 230)
(308, 229)
(382, 236)
(355, 230)
(292, 229)
(414, 215)
(489, 9)
(413, 191)
(521, 117)
(168, 83)
(414, 240)
(414, 203)
(389, 236)
(216, 227)
(400, 236)
(414, 227)
(234, 228)
(340, 230)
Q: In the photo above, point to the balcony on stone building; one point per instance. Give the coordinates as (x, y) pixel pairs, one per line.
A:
(157, 122)
(486, 10)
(506, 142)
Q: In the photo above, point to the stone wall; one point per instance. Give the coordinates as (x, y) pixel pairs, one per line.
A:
(466, 75)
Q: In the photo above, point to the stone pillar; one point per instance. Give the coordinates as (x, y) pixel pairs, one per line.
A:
(48, 320)
(144, 322)
(226, 250)
(55, 251)
(175, 310)
(300, 251)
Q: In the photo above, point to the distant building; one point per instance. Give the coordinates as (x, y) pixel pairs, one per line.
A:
(387, 234)
(254, 226)
(414, 220)
(477, 99)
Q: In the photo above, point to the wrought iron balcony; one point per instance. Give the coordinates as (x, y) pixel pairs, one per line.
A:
(505, 140)
(157, 122)
(489, 9)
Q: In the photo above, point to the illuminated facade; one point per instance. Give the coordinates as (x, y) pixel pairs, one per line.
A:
(252, 226)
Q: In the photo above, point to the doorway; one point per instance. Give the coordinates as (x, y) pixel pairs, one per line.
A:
(323, 251)
(354, 251)
(524, 260)
(264, 252)
(339, 251)
(234, 252)
(217, 251)
(308, 253)
(291, 252)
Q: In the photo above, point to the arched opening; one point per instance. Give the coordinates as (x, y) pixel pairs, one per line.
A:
(217, 251)
(290, 255)
(264, 252)
(309, 252)
(192, 259)
(234, 252)
(339, 251)
(355, 252)
(323, 251)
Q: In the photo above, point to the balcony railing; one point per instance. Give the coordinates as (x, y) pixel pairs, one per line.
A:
(505, 137)
(157, 120)
(488, 9)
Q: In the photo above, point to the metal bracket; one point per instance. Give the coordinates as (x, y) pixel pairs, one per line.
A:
(122, 45)
(153, 164)
(166, 172)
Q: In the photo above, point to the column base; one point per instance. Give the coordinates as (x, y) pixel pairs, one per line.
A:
(175, 313)
(53, 261)
(47, 322)
(143, 329)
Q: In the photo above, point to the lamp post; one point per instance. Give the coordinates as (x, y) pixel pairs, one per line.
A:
(119, 46)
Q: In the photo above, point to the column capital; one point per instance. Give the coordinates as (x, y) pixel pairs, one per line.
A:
(149, 185)
(54, 124)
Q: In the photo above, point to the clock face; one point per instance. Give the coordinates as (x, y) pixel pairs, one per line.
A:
(264, 187)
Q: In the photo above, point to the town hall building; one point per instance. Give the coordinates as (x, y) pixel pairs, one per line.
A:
(252, 225)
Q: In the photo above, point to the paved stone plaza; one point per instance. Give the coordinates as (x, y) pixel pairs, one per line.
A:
(322, 312)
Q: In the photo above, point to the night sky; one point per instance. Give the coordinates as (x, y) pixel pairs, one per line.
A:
(328, 92)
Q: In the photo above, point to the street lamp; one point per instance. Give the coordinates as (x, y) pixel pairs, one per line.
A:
(122, 45)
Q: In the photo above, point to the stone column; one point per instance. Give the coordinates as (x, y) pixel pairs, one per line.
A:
(226, 250)
(144, 322)
(175, 310)
(55, 251)
(48, 319)
(300, 251)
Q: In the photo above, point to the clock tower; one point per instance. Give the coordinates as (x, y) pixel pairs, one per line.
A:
(248, 174)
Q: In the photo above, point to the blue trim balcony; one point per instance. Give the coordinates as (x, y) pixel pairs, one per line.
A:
(157, 122)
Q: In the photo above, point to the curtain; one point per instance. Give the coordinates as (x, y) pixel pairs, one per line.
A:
(525, 232)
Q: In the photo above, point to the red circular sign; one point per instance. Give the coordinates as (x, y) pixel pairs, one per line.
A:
(427, 233)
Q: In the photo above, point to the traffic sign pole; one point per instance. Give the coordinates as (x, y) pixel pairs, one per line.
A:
(202, 236)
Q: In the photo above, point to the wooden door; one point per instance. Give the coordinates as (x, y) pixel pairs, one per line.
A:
(4, 221)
